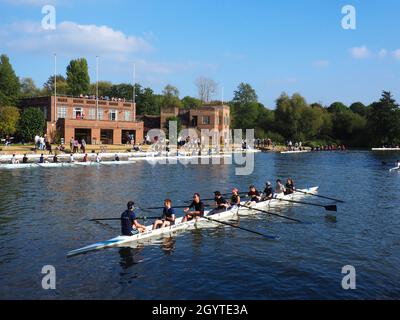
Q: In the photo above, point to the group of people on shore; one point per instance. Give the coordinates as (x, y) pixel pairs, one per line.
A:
(131, 226)
(75, 145)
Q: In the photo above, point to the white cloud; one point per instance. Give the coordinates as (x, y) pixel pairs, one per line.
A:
(320, 64)
(360, 52)
(396, 54)
(36, 3)
(72, 38)
(382, 53)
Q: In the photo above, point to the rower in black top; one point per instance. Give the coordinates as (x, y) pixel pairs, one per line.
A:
(220, 202)
(55, 159)
(268, 191)
(235, 199)
(168, 217)
(253, 194)
(129, 222)
(116, 157)
(198, 207)
(289, 186)
(41, 159)
(25, 159)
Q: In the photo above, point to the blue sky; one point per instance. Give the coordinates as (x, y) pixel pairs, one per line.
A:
(276, 46)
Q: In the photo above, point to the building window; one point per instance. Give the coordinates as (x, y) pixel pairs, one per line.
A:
(127, 116)
(100, 114)
(62, 112)
(92, 113)
(113, 115)
(78, 113)
(206, 120)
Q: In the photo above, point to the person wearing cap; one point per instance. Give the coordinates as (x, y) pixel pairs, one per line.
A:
(253, 194)
(235, 199)
(129, 222)
(280, 188)
(220, 202)
(198, 207)
(168, 217)
(268, 191)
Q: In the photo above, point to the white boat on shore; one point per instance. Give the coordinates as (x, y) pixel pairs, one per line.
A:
(385, 149)
(62, 164)
(201, 222)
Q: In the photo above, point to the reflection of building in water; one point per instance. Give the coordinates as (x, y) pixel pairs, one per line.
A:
(168, 245)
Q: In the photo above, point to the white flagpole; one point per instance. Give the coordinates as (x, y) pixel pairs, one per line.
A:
(97, 87)
(55, 87)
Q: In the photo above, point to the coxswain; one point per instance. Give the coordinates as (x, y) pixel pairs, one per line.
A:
(55, 159)
(168, 217)
(235, 199)
(129, 222)
(14, 159)
(253, 194)
(85, 157)
(289, 186)
(71, 158)
(41, 159)
(220, 202)
(268, 191)
(116, 157)
(25, 159)
(280, 188)
(198, 209)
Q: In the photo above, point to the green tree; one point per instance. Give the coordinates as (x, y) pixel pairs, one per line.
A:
(359, 108)
(32, 122)
(78, 77)
(191, 103)
(171, 97)
(62, 85)
(384, 121)
(28, 88)
(172, 118)
(244, 94)
(9, 117)
(104, 88)
(149, 103)
(9, 83)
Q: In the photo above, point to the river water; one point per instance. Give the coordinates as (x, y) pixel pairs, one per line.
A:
(44, 213)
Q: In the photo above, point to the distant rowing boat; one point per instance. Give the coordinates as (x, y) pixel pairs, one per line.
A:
(62, 164)
(295, 151)
(385, 149)
(226, 215)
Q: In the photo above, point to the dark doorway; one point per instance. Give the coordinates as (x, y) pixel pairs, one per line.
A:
(194, 121)
(127, 136)
(83, 134)
(106, 136)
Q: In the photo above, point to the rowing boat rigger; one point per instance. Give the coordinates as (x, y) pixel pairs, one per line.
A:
(232, 212)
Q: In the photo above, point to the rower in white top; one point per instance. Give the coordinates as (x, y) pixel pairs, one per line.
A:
(280, 188)
(397, 166)
(14, 159)
(71, 158)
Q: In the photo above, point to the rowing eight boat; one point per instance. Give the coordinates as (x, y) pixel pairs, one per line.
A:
(226, 215)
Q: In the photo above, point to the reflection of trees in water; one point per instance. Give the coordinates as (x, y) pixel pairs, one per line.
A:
(168, 245)
(130, 256)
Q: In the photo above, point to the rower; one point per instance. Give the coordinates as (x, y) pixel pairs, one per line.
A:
(268, 191)
(289, 186)
(198, 207)
(98, 158)
(14, 159)
(280, 188)
(129, 222)
(25, 159)
(253, 194)
(398, 164)
(41, 159)
(116, 157)
(235, 199)
(55, 159)
(85, 158)
(71, 158)
(220, 202)
(168, 217)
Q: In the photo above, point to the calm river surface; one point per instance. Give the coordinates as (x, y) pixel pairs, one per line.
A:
(44, 213)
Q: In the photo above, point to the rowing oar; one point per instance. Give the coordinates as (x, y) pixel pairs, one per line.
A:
(115, 219)
(277, 215)
(317, 195)
(331, 207)
(244, 229)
